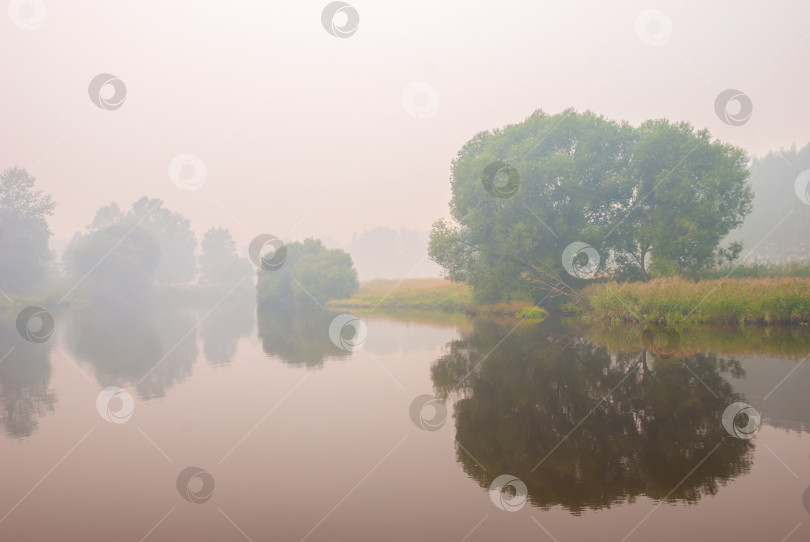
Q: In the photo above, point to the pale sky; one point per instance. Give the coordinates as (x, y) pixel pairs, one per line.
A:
(305, 134)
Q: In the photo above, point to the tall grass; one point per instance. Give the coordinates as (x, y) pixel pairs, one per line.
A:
(783, 300)
(792, 269)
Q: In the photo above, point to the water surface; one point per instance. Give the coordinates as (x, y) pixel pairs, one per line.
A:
(303, 440)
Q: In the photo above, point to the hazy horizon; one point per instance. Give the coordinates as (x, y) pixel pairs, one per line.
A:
(305, 134)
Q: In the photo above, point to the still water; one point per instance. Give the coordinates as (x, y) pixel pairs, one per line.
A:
(221, 425)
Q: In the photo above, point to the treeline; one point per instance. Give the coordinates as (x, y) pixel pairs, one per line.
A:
(123, 253)
(119, 255)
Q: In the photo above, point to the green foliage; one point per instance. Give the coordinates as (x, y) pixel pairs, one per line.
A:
(311, 273)
(24, 233)
(654, 199)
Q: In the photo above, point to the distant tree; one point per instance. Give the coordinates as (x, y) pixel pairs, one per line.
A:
(219, 264)
(106, 216)
(656, 199)
(116, 263)
(778, 213)
(310, 271)
(178, 263)
(24, 233)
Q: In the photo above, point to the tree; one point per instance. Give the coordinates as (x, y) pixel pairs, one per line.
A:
(523, 193)
(310, 272)
(688, 194)
(178, 263)
(219, 264)
(24, 233)
(777, 211)
(117, 263)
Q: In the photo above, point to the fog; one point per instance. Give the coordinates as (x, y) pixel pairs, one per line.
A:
(302, 133)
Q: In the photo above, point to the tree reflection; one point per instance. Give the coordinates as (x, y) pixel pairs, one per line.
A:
(586, 429)
(298, 336)
(25, 374)
(223, 327)
(147, 346)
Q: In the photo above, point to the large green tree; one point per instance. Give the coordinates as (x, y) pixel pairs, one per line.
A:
(24, 233)
(657, 198)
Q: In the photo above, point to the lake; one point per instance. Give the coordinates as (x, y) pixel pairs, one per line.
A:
(167, 423)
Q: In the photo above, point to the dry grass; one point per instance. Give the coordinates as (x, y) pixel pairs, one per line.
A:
(784, 300)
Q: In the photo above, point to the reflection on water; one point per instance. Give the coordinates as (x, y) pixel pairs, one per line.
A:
(298, 337)
(149, 347)
(222, 329)
(25, 374)
(584, 417)
(584, 428)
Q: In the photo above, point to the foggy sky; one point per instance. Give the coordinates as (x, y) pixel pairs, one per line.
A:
(305, 134)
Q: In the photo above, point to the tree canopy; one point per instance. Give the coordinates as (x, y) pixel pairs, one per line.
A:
(172, 231)
(24, 233)
(219, 263)
(115, 263)
(651, 200)
(310, 272)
